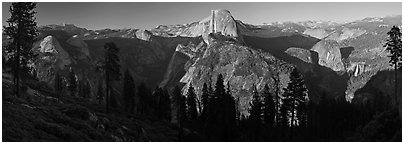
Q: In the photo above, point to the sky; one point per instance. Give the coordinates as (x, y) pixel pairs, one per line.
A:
(100, 15)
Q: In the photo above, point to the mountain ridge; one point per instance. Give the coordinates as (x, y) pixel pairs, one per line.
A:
(168, 55)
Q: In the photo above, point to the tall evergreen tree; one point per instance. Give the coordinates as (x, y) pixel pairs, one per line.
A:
(256, 112)
(268, 107)
(129, 92)
(256, 107)
(215, 115)
(22, 30)
(393, 45)
(181, 110)
(191, 104)
(72, 83)
(229, 115)
(111, 68)
(205, 101)
(219, 89)
(295, 98)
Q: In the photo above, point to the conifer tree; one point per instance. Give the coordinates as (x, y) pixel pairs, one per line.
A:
(229, 115)
(205, 101)
(269, 107)
(181, 110)
(129, 92)
(111, 68)
(22, 30)
(256, 112)
(394, 45)
(295, 98)
(256, 107)
(191, 104)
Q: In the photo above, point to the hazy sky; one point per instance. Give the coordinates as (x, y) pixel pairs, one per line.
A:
(150, 15)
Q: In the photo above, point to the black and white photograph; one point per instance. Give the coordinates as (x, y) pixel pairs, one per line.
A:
(204, 71)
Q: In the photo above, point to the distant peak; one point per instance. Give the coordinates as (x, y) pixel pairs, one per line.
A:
(222, 11)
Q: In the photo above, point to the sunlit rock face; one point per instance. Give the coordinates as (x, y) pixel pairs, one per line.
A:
(220, 21)
(242, 69)
(51, 54)
(329, 55)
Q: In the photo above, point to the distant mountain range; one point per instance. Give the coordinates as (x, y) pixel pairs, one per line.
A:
(336, 59)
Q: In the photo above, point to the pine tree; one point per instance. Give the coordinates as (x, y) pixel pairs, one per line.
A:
(129, 92)
(269, 107)
(205, 101)
(181, 110)
(100, 93)
(256, 112)
(219, 89)
(191, 104)
(58, 85)
(72, 83)
(111, 68)
(230, 115)
(22, 30)
(256, 107)
(295, 98)
(393, 45)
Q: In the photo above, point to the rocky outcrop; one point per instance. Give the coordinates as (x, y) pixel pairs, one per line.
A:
(302, 54)
(220, 21)
(241, 67)
(329, 55)
(52, 57)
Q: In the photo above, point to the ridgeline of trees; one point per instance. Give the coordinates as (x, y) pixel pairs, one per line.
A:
(393, 45)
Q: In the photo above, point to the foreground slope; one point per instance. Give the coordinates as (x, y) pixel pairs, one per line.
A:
(38, 116)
